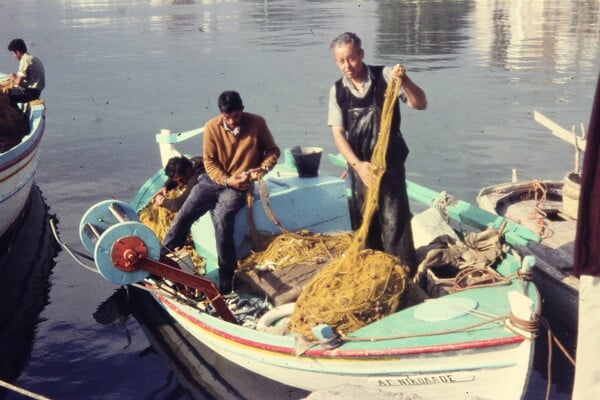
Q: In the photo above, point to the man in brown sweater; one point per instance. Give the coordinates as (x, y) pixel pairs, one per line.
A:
(237, 146)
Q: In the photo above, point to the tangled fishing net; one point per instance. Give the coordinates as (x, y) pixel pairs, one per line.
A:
(351, 292)
(290, 248)
(357, 286)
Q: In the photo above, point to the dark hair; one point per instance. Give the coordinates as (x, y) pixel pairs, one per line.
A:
(17, 45)
(230, 101)
(176, 165)
(346, 38)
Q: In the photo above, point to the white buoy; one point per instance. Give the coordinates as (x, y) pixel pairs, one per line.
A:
(521, 308)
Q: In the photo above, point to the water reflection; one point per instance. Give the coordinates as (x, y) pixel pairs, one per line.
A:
(115, 312)
(428, 29)
(198, 372)
(515, 35)
(26, 262)
(530, 34)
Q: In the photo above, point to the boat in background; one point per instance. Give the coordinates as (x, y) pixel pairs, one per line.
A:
(547, 212)
(455, 344)
(18, 166)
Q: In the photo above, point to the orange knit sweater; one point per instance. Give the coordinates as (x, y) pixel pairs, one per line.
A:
(225, 154)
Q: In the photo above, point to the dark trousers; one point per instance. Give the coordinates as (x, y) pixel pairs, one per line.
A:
(23, 95)
(224, 204)
(390, 229)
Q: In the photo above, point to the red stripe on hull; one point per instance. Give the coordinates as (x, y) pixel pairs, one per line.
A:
(339, 353)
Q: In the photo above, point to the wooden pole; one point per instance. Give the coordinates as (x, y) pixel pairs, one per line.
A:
(559, 131)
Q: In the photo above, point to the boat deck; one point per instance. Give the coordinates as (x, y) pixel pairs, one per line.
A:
(557, 233)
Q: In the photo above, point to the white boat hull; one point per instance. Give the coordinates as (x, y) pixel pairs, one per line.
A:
(17, 169)
(450, 374)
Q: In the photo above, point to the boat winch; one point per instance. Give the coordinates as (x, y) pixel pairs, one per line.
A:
(127, 251)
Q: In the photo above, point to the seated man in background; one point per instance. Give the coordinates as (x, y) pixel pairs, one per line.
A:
(237, 147)
(29, 81)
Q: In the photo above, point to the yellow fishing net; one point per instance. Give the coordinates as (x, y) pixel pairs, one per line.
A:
(357, 286)
(159, 219)
(290, 248)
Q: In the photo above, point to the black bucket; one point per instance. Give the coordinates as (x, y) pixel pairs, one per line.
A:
(307, 160)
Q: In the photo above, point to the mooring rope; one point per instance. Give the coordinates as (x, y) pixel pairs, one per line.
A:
(551, 338)
(23, 391)
(539, 192)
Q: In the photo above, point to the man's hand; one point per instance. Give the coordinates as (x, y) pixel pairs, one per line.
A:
(257, 173)
(363, 169)
(398, 72)
(239, 181)
(159, 197)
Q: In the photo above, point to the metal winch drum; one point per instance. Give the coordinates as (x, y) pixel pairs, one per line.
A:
(126, 252)
(112, 232)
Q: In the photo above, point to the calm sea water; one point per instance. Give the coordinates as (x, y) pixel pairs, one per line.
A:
(120, 70)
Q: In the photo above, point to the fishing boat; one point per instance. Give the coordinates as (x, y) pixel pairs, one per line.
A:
(18, 166)
(547, 212)
(448, 344)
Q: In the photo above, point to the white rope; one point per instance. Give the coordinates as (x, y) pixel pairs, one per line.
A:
(68, 250)
(23, 391)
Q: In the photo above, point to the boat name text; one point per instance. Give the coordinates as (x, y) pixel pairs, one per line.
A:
(408, 380)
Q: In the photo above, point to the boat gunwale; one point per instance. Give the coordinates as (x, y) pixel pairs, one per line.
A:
(497, 193)
(341, 353)
(27, 146)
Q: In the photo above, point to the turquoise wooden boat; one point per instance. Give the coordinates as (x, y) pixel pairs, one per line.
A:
(453, 346)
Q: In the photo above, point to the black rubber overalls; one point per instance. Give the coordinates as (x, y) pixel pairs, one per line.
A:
(361, 117)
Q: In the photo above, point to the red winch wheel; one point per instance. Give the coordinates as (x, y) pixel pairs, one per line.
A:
(126, 252)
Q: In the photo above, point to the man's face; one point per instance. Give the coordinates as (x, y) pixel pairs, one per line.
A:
(181, 180)
(16, 54)
(349, 60)
(232, 119)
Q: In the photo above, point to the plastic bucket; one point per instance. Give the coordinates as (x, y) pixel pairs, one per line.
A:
(307, 160)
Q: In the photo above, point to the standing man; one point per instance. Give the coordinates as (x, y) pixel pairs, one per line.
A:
(237, 147)
(355, 103)
(29, 81)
